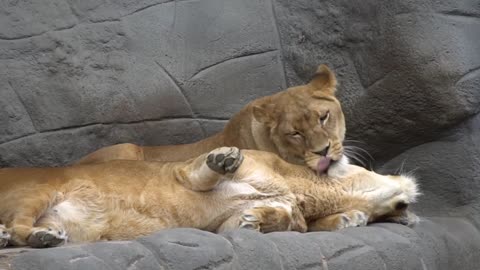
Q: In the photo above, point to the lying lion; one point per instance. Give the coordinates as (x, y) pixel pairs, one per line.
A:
(304, 125)
(222, 190)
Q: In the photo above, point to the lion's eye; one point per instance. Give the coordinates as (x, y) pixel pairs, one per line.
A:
(324, 118)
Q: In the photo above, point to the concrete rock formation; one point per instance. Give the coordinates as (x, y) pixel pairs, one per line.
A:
(79, 75)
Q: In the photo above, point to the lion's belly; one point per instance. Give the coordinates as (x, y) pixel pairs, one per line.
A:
(104, 216)
(107, 218)
(119, 218)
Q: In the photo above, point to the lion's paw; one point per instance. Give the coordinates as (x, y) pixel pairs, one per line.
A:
(224, 160)
(353, 218)
(248, 220)
(47, 237)
(4, 236)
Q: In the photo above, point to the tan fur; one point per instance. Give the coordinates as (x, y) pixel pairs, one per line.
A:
(222, 190)
(266, 124)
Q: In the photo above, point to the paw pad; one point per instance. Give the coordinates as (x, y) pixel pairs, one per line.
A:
(224, 160)
(249, 221)
(46, 238)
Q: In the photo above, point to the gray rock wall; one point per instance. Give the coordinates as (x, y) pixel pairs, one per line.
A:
(78, 75)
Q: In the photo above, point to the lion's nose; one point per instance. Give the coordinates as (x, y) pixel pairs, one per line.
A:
(323, 152)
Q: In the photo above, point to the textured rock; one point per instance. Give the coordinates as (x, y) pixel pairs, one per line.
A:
(94, 65)
(124, 255)
(85, 75)
(302, 252)
(59, 147)
(79, 75)
(190, 249)
(346, 253)
(396, 251)
(58, 258)
(254, 250)
(17, 17)
(225, 92)
(14, 118)
(440, 243)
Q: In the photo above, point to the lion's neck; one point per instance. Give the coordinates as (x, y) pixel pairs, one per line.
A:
(244, 132)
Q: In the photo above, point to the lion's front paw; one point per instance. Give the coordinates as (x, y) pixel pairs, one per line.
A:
(4, 236)
(353, 218)
(224, 160)
(46, 237)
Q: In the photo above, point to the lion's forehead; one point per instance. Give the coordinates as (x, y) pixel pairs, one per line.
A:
(303, 119)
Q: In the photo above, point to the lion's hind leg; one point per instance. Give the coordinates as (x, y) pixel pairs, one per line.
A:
(25, 213)
(351, 218)
(204, 172)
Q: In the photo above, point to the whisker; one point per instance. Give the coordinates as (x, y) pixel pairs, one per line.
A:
(401, 168)
(353, 154)
(354, 141)
(355, 158)
(361, 149)
(411, 172)
(359, 155)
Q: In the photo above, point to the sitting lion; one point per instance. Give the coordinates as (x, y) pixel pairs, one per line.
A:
(304, 125)
(222, 190)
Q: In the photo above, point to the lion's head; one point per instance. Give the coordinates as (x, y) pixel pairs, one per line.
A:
(305, 123)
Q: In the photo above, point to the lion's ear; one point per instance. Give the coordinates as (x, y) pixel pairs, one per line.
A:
(263, 113)
(324, 80)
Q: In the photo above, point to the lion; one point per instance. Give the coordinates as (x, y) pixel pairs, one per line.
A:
(304, 125)
(224, 189)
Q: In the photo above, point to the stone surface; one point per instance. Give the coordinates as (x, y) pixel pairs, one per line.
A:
(79, 75)
(254, 250)
(60, 147)
(190, 249)
(341, 252)
(437, 243)
(103, 66)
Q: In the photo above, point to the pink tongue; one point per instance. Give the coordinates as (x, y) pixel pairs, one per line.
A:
(323, 164)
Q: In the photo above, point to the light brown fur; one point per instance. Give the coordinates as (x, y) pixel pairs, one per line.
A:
(268, 124)
(222, 190)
